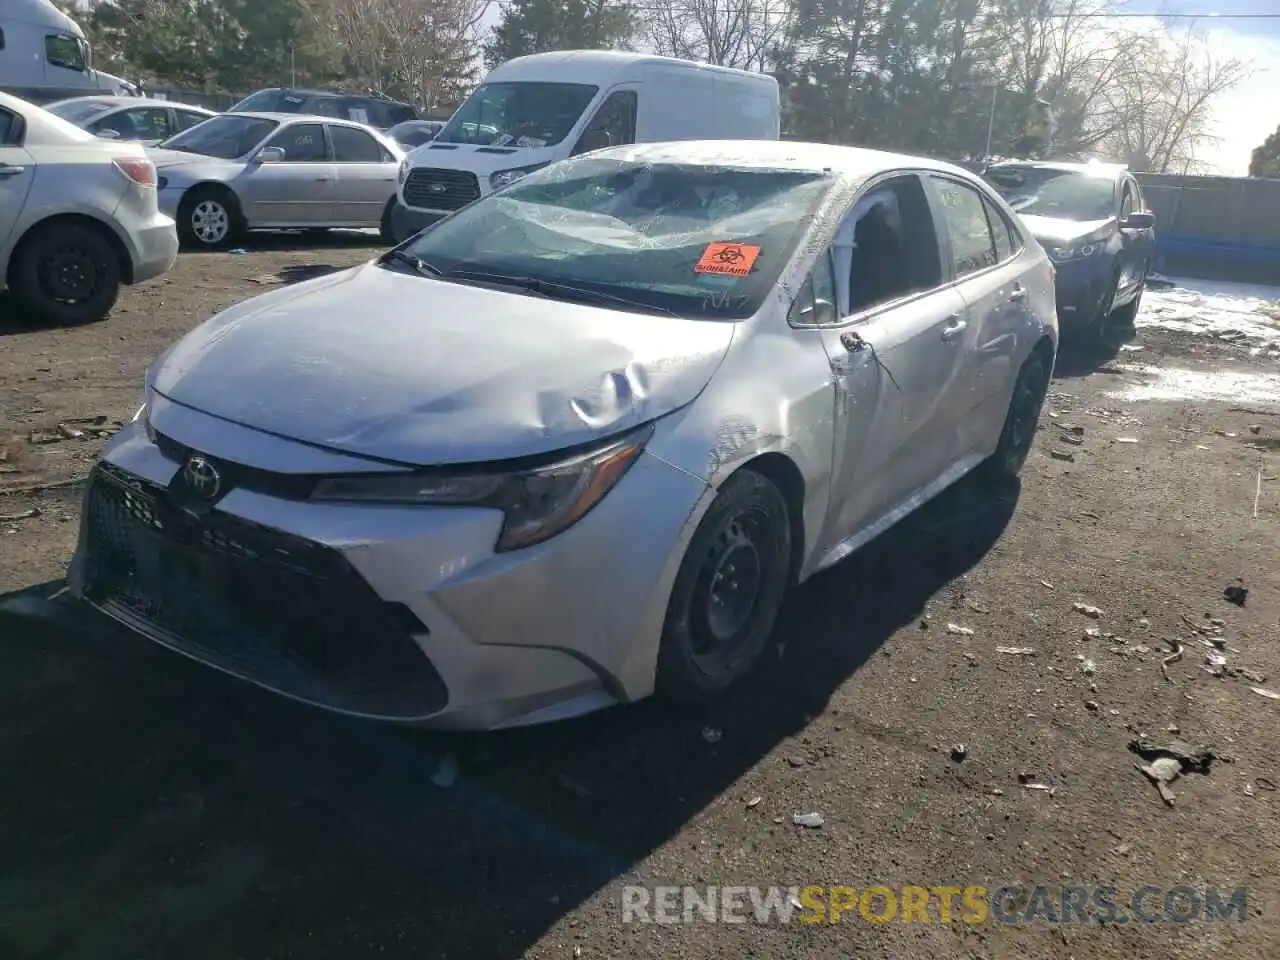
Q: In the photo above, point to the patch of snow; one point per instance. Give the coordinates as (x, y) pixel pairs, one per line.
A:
(1234, 312)
(1255, 389)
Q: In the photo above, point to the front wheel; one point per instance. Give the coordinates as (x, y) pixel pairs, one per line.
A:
(209, 219)
(387, 229)
(728, 590)
(66, 274)
(1020, 421)
(1127, 315)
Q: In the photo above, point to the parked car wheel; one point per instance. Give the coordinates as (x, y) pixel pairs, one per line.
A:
(728, 590)
(1101, 322)
(1021, 420)
(209, 218)
(1127, 315)
(66, 273)
(388, 228)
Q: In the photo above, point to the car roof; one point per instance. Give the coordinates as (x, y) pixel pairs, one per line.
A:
(1094, 168)
(780, 154)
(298, 117)
(335, 94)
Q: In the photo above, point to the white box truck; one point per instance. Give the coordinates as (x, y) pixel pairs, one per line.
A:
(44, 55)
(532, 111)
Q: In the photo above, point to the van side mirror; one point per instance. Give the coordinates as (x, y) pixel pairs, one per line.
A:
(269, 155)
(1138, 221)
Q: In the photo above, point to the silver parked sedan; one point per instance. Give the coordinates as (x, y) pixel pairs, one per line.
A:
(571, 445)
(141, 119)
(263, 171)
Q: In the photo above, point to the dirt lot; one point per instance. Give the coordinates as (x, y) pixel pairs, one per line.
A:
(149, 808)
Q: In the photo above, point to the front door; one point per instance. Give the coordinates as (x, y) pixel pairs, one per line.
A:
(297, 191)
(894, 357)
(366, 177)
(1136, 250)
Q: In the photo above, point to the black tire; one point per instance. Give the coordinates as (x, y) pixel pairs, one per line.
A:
(66, 273)
(1020, 421)
(387, 229)
(1127, 315)
(1100, 324)
(197, 215)
(727, 592)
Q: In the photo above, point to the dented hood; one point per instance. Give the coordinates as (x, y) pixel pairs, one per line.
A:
(388, 365)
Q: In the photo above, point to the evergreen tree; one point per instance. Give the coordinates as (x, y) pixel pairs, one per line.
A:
(536, 26)
(1266, 158)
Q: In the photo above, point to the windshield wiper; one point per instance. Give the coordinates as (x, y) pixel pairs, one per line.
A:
(556, 290)
(417, 263)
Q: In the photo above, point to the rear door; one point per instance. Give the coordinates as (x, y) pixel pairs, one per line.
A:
(891, 355)
(17, 173)
(982, 253)
(365, 177)
(297, 192)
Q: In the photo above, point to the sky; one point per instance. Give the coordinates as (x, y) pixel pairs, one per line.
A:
(1247, 115)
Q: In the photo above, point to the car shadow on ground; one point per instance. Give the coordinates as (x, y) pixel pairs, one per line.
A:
(1076, 361)
(153, 806)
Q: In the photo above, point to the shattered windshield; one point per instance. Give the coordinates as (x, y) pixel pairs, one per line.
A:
(1064, 194)
(518, 114)
(694, 240)
(226, 137)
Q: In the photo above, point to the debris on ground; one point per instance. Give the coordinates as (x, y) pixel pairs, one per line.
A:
(1017, 651)
(1236, 593)
(959, 752)
(754, 802)
(959, 630)
(1264, 692)
(1093, 613)
(1046, 584)
(1126, 439)
(1088, 667)
(1168, 761)
(1092, 706)
(1071, 439)
(1063, 455)
(23, 515)
(810, 821)
(1172, 658)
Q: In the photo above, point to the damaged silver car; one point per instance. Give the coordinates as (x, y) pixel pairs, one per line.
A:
(569, 446)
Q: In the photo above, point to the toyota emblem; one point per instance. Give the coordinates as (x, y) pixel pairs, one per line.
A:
(202, 478)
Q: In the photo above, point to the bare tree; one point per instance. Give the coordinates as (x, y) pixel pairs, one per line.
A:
(421, 50)
(732, 33)
(1164, 102)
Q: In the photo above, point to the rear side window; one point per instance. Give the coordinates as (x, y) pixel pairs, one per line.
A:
(355, 146)
(1006, 237)
(964, 216)
(1, 38)
(397, 113)
(8, 128)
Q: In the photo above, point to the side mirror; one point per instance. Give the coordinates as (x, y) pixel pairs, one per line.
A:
(816, 313)
(1138, 221)
(269, 155)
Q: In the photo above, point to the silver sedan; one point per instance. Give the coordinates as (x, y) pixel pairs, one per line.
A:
(129, 118)
(263, 171)
(571, 445)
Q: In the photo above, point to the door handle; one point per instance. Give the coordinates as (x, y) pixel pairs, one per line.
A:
(1019, 293)
(955, 327)
(322, 179)
(9, 171)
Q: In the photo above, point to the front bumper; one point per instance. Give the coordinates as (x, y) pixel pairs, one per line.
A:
(387, 612)
(1080, 287)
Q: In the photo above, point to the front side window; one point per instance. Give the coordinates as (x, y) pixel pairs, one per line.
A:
(702, 242)
(145, 123)
(302, 143)
(66, 52)
(613, 125)
(965, 220)
(819, 289)
(886, 248)
(187, 119)
(79, 111)
(1048, 192)
(354, 146)
(227, 137)
(518, 114)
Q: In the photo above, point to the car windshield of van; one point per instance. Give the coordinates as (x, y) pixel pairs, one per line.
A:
(518, 114)
(1046, 192)
(79, 111)
(693, 240)
(226, 137)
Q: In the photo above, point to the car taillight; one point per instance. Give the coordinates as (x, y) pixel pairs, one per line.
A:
(142, 172)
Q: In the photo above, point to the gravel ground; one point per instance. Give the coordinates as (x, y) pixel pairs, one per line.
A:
(150, 808)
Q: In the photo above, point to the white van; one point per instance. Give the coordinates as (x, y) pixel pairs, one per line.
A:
(535, 110)
(44, 55)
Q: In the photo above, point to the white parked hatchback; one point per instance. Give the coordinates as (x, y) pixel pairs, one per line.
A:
(78, 216)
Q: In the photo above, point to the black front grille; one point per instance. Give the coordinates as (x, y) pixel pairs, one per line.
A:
(432, 189)
(288, 612)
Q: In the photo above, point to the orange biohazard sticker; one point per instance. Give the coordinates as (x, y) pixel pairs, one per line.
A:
(727, 259)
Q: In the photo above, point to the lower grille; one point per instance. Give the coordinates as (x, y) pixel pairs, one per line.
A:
(287, 612)
(432, 189)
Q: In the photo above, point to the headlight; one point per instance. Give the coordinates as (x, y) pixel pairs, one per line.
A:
(404, 170)
(503, 177)
(536, 504)
(1081, 251)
